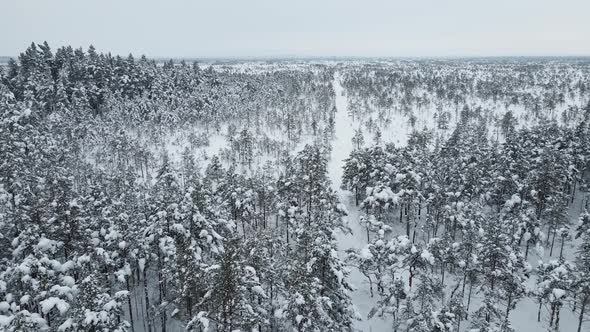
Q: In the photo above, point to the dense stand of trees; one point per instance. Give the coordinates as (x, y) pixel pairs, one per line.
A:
(102, 232)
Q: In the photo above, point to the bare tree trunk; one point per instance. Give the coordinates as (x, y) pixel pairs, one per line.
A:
(370, 284)
(581, 316)
(147, 299)
(161, 286)
(552, 243)
(508, 305)
(469, 296)
(557, 310)
(129, 304)
(561, 249)
(574, 191)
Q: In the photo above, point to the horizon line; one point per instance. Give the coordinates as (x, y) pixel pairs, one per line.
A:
(339, 57)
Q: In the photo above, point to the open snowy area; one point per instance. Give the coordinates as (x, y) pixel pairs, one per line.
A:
(373, 195)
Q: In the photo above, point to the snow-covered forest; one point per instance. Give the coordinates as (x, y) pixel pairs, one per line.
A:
(428, 195)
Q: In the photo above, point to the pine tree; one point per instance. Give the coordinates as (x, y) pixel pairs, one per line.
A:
(581, 283)
(96, 310)
(503, 269)
(237, 300)
(554, 286)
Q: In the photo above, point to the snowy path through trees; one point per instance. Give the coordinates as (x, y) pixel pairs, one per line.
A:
(341, 149)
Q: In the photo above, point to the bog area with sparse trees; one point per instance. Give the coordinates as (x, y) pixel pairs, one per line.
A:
(141, 195)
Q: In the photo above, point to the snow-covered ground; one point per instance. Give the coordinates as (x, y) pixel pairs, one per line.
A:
(341, 149)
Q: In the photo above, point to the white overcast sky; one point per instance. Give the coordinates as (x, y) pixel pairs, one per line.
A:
(238, 28)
